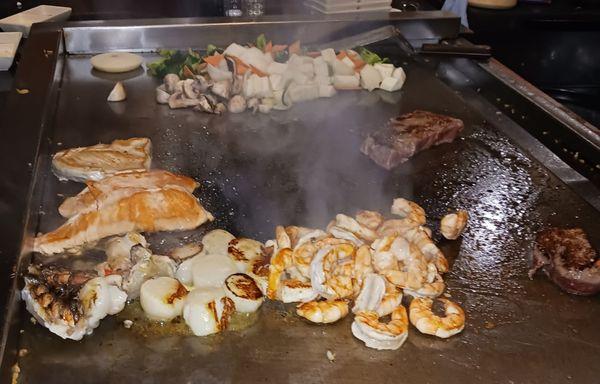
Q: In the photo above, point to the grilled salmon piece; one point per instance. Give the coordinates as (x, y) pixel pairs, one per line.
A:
(171, 208)
(120, 185)
(98, 161)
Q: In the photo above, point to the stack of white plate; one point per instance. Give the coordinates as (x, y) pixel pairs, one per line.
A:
(22, 21)
(349, 6)
(9, 42)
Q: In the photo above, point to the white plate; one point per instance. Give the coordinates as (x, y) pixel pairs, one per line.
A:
(22, 21)
(354, 8)
(9, 42)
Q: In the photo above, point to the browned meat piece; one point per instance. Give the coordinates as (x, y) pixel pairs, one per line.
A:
(408, 134)
(568, 259)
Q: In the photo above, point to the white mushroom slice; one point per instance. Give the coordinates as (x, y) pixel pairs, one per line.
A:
(207, 311)
(237, 104)
(211, 270)
(242, 251)
(189, 90)
(217, 241)
(186, 251)
(222, 88)
(118, 93)
(244, 292)
(177, 100)
(170, 82)
(162, 96)
(162, 298)
(371, 293)
(218, 74)
(294, 291)
(370, 78)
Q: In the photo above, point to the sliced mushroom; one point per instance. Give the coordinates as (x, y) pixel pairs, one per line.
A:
(162, 96)
(170, 82)
(253, 104)
(220, 108)
(118, 93)
(237, 104)
(205, 104)
(179, 86)
(189, 91)
(238, 85)
(177, 100)
(222, 88)
(202, 83)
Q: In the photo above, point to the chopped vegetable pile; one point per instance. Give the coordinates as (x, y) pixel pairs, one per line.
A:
(265, 76)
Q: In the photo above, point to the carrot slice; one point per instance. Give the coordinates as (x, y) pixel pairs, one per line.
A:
(341, 55)
(257, 71)
(269, 47)
(294, 47)
(213, 60)
(240, 66)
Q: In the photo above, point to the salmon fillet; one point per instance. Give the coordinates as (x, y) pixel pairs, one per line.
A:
(120, 185)
(171, 208)
(99, 161)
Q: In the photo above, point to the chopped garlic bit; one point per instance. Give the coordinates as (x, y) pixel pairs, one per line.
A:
(330, 356)
(127, 323)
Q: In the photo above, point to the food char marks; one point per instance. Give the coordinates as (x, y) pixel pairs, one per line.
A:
(408, 134)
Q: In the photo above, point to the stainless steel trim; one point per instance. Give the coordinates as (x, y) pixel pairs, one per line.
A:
(150, 35)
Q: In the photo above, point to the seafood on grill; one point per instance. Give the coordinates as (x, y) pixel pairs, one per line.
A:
(122, 184)
(423, 318)
(204, 284)
(453, 224)
(365, 260)
(71, 303)
(170, 208)
(98, 161)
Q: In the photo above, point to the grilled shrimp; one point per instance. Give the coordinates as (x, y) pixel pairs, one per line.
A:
(350, 224)
(369, 219)
(383, 258)
(362, 264)
(331, 271)
(408, 210)
(420, 238)
(453, 224)
(423, 318)
(323, 311)
(378, 335)
(279, 262)
(390, 300)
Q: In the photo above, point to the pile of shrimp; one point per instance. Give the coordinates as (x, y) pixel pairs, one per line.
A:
(364, 265)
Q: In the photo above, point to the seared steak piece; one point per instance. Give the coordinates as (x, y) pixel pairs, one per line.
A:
(408, 134)
(568, 259)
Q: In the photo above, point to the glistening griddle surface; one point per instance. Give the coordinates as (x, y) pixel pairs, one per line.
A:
(301, 167)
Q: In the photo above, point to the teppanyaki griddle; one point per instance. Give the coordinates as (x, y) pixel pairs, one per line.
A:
(302, 166)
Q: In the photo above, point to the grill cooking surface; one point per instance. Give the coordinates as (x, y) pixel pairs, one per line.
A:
(302, 166)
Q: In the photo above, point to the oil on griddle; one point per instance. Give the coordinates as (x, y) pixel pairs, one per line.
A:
(302, 167)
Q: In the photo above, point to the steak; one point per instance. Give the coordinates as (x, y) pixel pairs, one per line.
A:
(568, 259)
(408, 134)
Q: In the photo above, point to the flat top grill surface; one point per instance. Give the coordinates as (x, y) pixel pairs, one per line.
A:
(301, 167)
